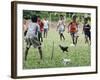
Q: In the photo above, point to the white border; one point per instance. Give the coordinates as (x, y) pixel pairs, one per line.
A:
(21, 72)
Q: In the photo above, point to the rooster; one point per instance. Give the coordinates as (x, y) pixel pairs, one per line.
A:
(64, 48)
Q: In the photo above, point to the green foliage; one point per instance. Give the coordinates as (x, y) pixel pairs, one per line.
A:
(54, 16)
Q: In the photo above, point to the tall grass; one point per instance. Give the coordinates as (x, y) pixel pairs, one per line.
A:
(79, 55)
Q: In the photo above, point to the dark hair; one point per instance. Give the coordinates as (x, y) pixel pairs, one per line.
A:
(74, 16)
(38, 16)
(86, 19)
(61, 15)
(34, 18)
(26, 17)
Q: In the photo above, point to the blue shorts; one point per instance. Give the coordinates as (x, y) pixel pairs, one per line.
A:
(87, 33)
(46, 30)
(61, 31)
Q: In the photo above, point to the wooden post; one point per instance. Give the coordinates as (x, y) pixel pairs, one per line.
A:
(52, 51)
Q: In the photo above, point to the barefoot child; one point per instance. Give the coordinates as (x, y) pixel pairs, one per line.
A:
(61, 27)
(40, 23)
(73, 29)
(86, 30)
(32, 37)
(46, 27)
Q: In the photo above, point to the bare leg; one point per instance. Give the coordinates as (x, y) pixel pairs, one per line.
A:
(26, 52)
(60, 36)
(40, 52)
(27, 48)
(46, 34)
(76, 39)
(63, 36)
(86, 39)
(73, 38)
(41, 37)
(90, 37)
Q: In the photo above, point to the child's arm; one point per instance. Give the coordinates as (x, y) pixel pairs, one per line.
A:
(68, 27)
(83, 29)
(48, 26)
(89, 27)
(77, 26)
(42, 25)
(64, 25)
(36, 31)
(58, 25)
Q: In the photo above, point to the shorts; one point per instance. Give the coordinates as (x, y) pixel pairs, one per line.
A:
(45, 30)
(33, 41)
(87, 33)
(61, 31)
(74, 34)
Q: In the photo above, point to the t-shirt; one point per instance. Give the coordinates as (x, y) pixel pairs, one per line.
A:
(86, 27)
(41, 25)
(32, 30)
(73, 27)
(61, 25)
(45, 24)
(25, 25)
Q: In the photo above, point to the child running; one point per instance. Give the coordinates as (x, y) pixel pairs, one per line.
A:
(86, 30)
(40, 23)
(32, 37)
(46, 27)
(61, 27)
(73, 29)
(25, 25)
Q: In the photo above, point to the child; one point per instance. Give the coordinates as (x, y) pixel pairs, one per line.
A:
(25, 25)
(61, 27)
(86, 30)
(46, 27)
(73, 29)
(40, 23)
(32, 37)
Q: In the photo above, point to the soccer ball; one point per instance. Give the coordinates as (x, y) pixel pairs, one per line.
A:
(72, 45)
(66, 61)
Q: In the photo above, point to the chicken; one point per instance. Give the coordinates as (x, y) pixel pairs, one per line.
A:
(64, 48)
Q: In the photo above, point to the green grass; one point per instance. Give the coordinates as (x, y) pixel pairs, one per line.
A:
(79, 55)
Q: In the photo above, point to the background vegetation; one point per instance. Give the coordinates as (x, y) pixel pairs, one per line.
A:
(79, 55)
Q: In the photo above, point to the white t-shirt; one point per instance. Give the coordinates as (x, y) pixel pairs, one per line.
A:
(61, 25)
(32, 30)
(45, 24)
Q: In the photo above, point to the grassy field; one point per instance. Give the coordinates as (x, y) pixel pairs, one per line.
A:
(79, 55)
